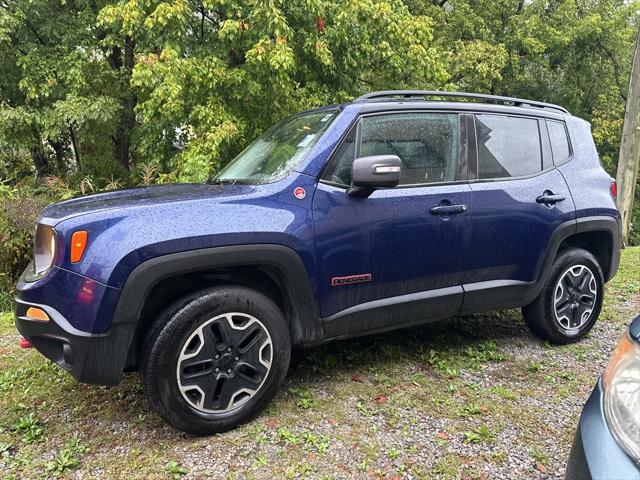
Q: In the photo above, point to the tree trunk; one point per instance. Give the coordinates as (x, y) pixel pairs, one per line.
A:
(627, 174)
(76, 150)
(58, 147)
(40, 161)
(127, 120)
(38, 155)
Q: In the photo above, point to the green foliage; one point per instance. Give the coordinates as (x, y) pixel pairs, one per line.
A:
(67, 458)
(287, 436)
(304, 398)
(470, 409)
(18, 213)
(203, 78)
(176, 470)
(481, 434)
(30, 428)
(317, 443)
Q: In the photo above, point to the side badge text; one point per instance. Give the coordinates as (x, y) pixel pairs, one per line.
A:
(339, 281)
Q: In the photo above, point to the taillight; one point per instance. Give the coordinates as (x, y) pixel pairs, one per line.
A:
(614, 189)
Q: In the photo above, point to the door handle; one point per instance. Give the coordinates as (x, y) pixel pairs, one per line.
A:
(448, 209)
(549, 198)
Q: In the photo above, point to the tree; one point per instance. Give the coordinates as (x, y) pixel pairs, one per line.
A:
(106, 88)
(209, 75)
(64, 85)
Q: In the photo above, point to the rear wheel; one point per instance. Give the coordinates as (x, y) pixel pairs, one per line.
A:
(215, 359)
(571, 299)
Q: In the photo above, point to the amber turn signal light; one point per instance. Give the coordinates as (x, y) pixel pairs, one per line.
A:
(37, 314)
(78, 244)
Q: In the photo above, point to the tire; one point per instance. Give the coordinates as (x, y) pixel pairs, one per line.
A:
(192, 379)
(571, 298)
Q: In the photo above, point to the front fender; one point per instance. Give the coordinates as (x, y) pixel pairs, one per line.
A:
(292, 276)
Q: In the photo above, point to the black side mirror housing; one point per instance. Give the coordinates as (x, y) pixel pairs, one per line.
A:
(376, 171)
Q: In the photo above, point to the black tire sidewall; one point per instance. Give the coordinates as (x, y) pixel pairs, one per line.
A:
(541, 314)
(163, 346)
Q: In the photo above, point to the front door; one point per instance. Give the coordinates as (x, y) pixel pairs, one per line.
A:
(396, 257)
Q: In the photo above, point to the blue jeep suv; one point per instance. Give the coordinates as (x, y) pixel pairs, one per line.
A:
(399, 208)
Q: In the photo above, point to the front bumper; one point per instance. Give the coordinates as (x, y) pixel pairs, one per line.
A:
(96, 358)
(595, 454)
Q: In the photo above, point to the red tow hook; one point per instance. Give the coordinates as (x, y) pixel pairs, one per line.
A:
(24, 343)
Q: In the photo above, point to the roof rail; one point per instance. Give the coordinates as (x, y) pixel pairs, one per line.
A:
(517, 102)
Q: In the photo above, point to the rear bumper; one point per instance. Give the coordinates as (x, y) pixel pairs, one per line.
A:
(595, 454)
(95, 358)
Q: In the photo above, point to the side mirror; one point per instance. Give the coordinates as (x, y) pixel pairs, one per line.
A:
(376, 171)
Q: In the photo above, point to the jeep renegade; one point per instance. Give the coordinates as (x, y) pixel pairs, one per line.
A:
(400, 208)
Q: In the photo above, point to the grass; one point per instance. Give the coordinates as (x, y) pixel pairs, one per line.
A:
(453, 399)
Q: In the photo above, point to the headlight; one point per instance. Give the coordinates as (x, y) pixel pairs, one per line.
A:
(622, 395)
(45, 249)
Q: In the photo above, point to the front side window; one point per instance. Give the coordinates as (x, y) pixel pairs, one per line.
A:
(339, 170)
(559, 141)
(427, 144)
(278, 150)
(507, 146)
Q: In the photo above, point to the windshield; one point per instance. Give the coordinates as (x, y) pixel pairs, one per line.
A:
(277, 151)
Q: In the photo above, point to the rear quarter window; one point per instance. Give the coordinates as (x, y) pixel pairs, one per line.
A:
(559, 141)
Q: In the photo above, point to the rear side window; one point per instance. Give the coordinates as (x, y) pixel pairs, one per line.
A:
(507, 146)
(559, 141)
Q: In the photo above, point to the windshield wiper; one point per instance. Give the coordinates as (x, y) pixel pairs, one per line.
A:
(223, 181)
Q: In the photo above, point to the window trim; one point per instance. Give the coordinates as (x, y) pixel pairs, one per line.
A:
(566, 133)
(354, 125)
(545, 141)
(519, 177)
(461, 160)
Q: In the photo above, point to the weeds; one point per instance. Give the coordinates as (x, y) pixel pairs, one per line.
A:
(481, 434)
(67, 458)
(469, 410)
(30, 429)
(175, 469)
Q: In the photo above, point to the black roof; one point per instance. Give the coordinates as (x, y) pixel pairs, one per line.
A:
(424, 95)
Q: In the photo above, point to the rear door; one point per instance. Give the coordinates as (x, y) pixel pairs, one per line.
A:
(392, 259)
(519, 199)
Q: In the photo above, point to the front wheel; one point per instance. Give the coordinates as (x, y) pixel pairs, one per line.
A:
(215, 359)
(571, 299)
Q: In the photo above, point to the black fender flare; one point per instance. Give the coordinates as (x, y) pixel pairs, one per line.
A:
(565, 230)
(292, 278)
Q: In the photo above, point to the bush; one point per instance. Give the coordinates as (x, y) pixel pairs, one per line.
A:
(18, 215)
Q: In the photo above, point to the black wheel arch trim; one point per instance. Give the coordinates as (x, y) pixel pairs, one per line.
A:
(293, 278)
(306, 326)
(565, 230)
(608, 224)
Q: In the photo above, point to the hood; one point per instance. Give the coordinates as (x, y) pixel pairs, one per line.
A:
(135, 197)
